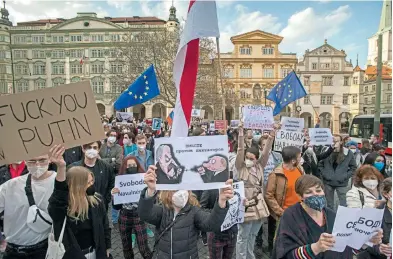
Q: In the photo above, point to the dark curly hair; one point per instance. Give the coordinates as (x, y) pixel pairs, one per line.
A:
(363, 171)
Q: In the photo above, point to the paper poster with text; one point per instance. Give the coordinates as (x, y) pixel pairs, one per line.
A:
(235, 214)
(32, 122)
(124, 116)
(258, 117)
(286, 138)
(220, 124)
(235, 124)
(354, 227)
(292, 124)
(130, 186)
(191, 163)
(156, 125)
(320, 136)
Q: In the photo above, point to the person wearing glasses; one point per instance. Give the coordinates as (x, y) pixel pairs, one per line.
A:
(21, 198)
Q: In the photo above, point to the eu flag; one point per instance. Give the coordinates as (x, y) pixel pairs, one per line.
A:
(286, 91)
(144, 88)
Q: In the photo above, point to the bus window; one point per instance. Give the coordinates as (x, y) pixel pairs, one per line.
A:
(355, 132)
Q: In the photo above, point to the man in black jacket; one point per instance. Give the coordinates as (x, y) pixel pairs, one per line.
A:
(312, 155)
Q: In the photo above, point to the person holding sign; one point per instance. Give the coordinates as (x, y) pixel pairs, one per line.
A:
(179, 219)
(305, 228)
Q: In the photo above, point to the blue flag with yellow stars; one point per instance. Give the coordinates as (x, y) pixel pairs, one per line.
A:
(286, 91)
(143, 89)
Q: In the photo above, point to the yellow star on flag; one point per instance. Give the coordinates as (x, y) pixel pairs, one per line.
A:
(144, 77)
(130, 93)
(145, 93)
(289, 85)
(147, 88)
(285, 99)
(136, 96)
(284, 83)
(146, 82)
(141, 97)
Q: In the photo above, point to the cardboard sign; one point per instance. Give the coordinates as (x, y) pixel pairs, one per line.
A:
(292, 124)
(124, 116)
(220, 125)
(235, 124)
(130, 186)
(157, 124)
(258, 117)
(235, 214)
(288, 138)
(320, 136)
(32, 122)
(354, 227)
(191, 163)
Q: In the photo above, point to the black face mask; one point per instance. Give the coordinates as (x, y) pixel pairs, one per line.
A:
(91, 190)
(132, 170)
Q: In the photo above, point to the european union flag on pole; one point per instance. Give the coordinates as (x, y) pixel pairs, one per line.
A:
(142, 90)
(286, 91)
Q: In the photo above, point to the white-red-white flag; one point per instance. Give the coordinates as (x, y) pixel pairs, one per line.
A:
(201, 22)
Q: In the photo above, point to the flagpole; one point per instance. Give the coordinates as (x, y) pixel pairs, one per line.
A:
(220, 75)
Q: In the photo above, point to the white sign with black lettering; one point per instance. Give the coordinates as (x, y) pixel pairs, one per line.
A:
(235, 214)
(288, 138)
(320, 137)
(354, 227)
(130, 186)
(292, 124)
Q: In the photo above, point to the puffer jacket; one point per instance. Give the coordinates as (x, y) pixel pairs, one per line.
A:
(354, 199)
(180, 241)
(5, 174)
(276, 190)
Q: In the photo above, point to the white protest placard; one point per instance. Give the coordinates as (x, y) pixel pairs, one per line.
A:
(235, 124)
(354, 227)
(124, 116)
(235, 214)
(196, 113)
(258, 117)
(286, 138)
(191, 163)
(292, 124)
(130, 186)
(156, 124)
(211, 127)
(320, 136)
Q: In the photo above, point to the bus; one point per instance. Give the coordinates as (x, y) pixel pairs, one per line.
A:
(362, 127)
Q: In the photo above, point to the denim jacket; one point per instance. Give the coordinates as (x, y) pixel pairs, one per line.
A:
(145, 163)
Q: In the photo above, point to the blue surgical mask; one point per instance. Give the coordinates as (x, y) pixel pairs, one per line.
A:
(379, 165)
(316, 202)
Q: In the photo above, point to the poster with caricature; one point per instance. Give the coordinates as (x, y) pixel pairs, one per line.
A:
(191, 163)
(235, 214)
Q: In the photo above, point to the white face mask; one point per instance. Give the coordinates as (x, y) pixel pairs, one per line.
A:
(37, 171)
(249, 163)
(91, 153)
(141, 147)
(370, 184)
(353, 150)
(126, 141)
(112, 139)
(180, 199)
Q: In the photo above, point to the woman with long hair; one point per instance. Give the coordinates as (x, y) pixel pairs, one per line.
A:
(87, 233)
(129, 220)
(129, 145)
(179, 219)
(378, 161)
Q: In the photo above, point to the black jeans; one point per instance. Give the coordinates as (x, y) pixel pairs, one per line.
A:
(34, 253)
(272, 225)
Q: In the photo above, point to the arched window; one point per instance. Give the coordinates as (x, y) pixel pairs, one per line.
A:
(97, 83)
(58, 81)
(75, 79)
(22, 86)
(40, 84)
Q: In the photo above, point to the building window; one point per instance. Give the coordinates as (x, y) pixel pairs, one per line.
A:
(3, 87)
(39, 69)
(19, 39)
(354, 98)
(373, 100)
(345, 99)
(58, 81)
(326, 99)
(327, 80)
(355, 80)
(115, 37)
(76, 38)
(97, 68)
(98, 86)
(19, 54)
(314, 66)
(38, 39)
(267, 51)
(57, 39)
(38, 53)
(372, 87)
(97, 53)
(346, 80)
(113, 53)
(21, 69)
(372, 111)
(336, 66)
(97, 38)
(116, 68)
(77, 53)
(365, 100)
(22, 86)
(389, 98)
(40, 84)
(325, 65)
(75, 79)
(245, 51)
(366, 89)
(245, 72)
(228, 72)
(306, 99)
(306, 80)
(58, 69)
(389, 86)
(268, 73)
(58, 53)
(115, 87)
(285, 72)
(76, 68)
(4, 38)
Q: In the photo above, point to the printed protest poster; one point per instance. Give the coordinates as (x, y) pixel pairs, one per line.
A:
(157, 124)
(130, 186)
(288, 138)
(292, 124)
(354, 227)
(320, 136)
(124, 116)
(235, 214)
(196, 113)
(220, 124)
(191, 163)
(32, 122)
(211, 127)
(235, 124)
(258, 117)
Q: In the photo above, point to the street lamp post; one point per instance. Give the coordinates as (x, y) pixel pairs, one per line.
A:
(264, 94)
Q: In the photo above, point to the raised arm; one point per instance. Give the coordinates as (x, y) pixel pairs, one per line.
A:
(268, 147)
(240, 149)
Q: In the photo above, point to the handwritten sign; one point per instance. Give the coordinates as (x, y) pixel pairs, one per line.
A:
(320, 136)
(292, 124)
(258, 117)
(286, 138)
(354, 227)
(220, 124)
(235, 214)
(32, 122)
(235, 124)
(157, 124)
(130, 186)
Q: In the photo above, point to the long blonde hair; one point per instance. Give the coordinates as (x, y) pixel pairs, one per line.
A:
(165, 198)
(78, 201)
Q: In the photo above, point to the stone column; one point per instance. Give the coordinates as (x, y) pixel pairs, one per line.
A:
(148, 111)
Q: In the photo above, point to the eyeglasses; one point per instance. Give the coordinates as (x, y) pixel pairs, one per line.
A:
(34, 162)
